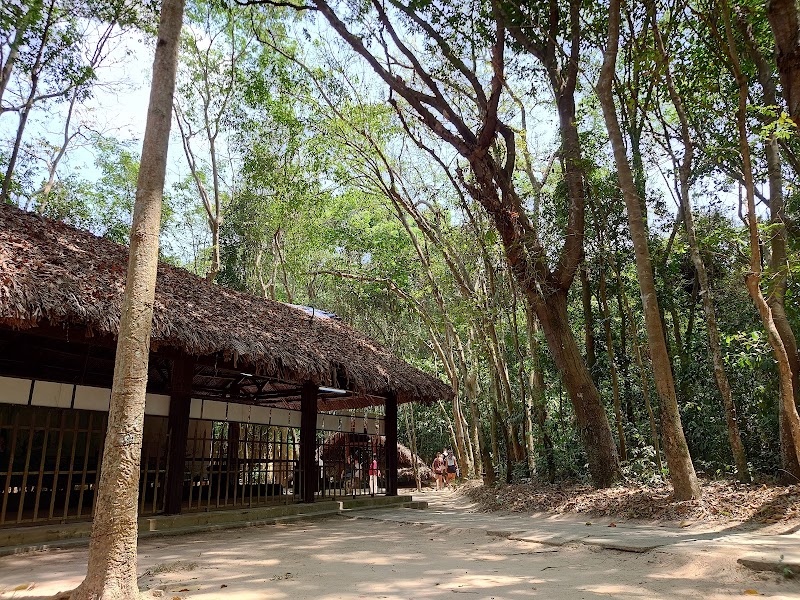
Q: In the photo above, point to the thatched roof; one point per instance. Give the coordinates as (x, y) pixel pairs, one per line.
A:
(54, 274)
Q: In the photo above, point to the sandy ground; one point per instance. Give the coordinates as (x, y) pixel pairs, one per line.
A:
(346, 558)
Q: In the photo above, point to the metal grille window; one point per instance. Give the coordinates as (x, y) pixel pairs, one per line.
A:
(231, 464)
(50, 461)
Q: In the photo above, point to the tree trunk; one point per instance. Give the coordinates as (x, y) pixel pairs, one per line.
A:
(714, 344)
(476, 431)
(28, 106)
(706, 294)
(682, 474)
(588, 318)
(505, 394)
(111, 572)
(526, 386)
(623, 452)
(590, 415)
(776, 299)
(538, 399)
(785, 21)
(412, 435)
(5, 192)
(753, 278)
(637, 353)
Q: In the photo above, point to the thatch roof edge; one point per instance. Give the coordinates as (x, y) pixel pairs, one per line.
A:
(53, 273)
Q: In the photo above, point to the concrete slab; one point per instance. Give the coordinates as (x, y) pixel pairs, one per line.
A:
(766, 560)
(549, 538)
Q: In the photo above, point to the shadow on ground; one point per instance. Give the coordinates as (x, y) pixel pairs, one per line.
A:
(346, 558)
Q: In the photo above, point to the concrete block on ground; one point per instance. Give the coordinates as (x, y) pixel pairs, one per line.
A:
(787, 563)
(550, 538)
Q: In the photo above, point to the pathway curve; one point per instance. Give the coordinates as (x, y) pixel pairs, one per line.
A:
(448, 511)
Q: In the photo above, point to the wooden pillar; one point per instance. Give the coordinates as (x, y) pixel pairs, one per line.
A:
(178, 427)
(308, 440)
(391, 445)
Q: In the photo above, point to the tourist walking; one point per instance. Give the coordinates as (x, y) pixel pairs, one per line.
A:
(452, 467)
(439, 468)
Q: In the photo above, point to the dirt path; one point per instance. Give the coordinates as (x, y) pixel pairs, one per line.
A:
(347, 558)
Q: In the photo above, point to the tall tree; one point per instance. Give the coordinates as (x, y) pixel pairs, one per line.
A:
(753, 277)
(212, 57)
(474, 129)
(683, 167)
(682, 473)
(111, 572)
(778, 238)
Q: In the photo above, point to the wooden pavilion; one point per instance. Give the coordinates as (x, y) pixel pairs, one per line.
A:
(241, 389)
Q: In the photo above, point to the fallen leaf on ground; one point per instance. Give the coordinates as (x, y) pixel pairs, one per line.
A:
(723, 501)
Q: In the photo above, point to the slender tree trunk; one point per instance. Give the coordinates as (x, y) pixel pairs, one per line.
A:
(32, 14)
(753, 278)
(538, 399)
(111, 572)
(28, 106)
(527, 392)
(214, 269)
(588, 318)
(460, 447)
(526, 387)
(688, 336)
(484, 465)
(505, 397)
(412, 435)
(5, 192)
(776, 299)
(44, 193)
(625, 361)
(714, 344)
(493, 421)
(476, 431)
(623, 452)
(8, 65)
(625, 309)
(706, 294)
(682, 474)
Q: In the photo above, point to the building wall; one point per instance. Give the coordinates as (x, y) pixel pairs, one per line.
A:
(51, 440)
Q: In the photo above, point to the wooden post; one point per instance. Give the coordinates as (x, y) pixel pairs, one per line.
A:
(308, 440)
(391, 445)
(178, 426)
